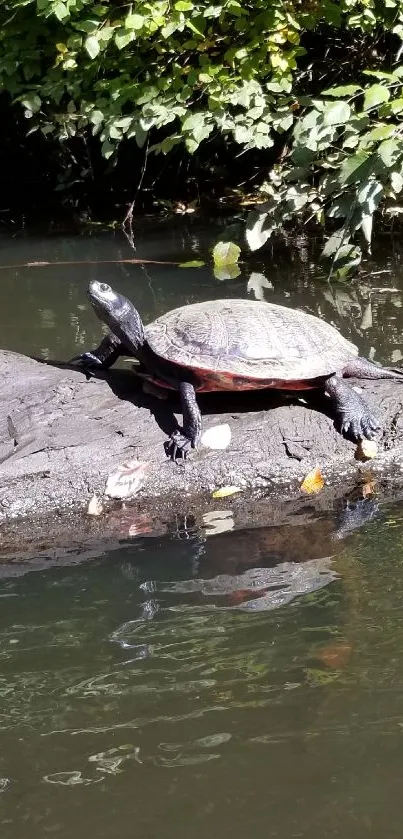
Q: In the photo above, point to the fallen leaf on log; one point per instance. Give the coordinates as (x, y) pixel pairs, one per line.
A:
(127, 480)
(313, 482)
(95, 506)
(366, 450)
(224, 492)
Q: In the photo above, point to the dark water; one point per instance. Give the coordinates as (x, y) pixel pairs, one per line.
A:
(245, 684)
(231, 684)
(44, 310)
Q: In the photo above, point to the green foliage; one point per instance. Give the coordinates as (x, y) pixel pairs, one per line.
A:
(346, 157)
(186, 71)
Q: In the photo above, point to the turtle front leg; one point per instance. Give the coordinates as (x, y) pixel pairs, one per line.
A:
(180, 443)
(109, 350)
(352, 414)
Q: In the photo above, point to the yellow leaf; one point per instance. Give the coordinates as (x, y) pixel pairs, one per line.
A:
(366, 450)
(224, 492)
(313, 482)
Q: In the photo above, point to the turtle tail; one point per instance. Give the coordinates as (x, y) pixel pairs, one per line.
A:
(362, 368)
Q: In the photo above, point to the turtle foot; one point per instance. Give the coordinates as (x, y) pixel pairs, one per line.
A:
(358, 426)
(178, 446)
(353, 417)
(87, 360)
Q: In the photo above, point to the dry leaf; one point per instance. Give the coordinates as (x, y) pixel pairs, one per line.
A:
(95, 506)
(366, 450)
(224, 492)
(217, 437)
(313, 482)
(127, 480)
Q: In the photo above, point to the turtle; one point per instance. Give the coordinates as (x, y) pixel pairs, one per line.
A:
(235, 345)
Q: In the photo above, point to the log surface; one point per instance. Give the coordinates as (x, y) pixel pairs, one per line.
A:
(62, 434)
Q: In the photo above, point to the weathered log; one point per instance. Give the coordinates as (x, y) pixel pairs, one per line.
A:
(62, 434)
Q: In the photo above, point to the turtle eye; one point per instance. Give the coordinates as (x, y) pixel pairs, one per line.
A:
(104, 287)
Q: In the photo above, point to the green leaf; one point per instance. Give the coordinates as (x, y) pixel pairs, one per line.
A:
(226, 253)
(195, 263)
(376, 95)
(256, 234)
(134, 21)
(31, 102)
(337, 113)
(343, 90)
(335, 242)
(396, 180)
(370, 194)
(389, 151)
(92, 46)
(123, 38)
(366, 227)
(61, 11)
(356, 167)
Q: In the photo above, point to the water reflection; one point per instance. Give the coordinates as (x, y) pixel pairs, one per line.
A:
(135, 691)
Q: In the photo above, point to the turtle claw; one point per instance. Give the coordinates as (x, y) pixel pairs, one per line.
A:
(87, 360)
(361, 427)
(178, 446)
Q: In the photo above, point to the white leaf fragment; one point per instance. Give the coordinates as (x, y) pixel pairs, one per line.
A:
(127, 480)
(95, 506)
(217, 437)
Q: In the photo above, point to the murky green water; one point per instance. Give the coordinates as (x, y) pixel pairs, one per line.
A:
(241, 685)
(44, 309)
(232, 685)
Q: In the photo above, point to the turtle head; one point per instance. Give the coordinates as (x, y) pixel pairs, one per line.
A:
(119, 314)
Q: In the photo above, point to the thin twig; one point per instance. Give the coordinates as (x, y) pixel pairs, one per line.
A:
(127, 224)
(89, 262)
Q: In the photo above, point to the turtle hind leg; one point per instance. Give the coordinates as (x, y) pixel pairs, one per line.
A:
(180, 442)
(352, 414)
(362, 368)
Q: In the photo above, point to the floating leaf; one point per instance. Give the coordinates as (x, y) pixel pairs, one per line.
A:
(227, 272)
(95, 506)
(226, 253)
(225, 492)
(196, 263)
(127, 480)
(366, 450)
(313, 482)
(217, 437)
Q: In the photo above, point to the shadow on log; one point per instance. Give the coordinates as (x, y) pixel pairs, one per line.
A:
(62, 434)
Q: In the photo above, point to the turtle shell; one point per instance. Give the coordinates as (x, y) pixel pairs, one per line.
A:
(249, 344)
